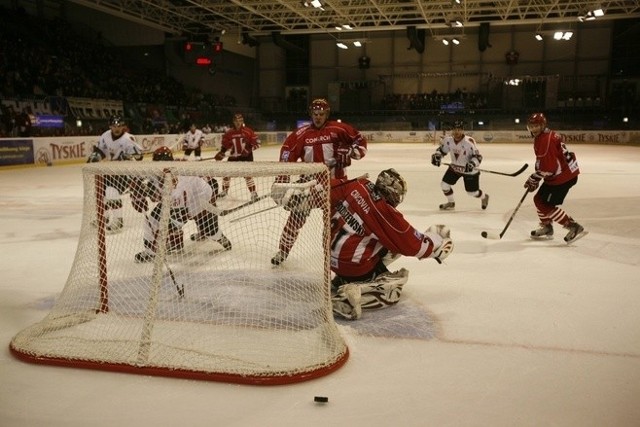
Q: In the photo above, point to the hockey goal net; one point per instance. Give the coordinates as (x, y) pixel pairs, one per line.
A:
(199, 309)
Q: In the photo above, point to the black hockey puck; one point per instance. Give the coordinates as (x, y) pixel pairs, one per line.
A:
(484, 234)
(321, 399)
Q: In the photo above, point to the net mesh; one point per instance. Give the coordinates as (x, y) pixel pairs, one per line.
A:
(170, 279)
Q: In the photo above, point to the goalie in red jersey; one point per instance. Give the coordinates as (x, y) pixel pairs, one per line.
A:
(558, 170)
(323, 141)
(367, 234)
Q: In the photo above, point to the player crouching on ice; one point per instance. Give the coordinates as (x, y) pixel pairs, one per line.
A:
(367, 234)
(191, 198)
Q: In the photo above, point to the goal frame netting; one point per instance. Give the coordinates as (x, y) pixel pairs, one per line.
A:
(242, 320)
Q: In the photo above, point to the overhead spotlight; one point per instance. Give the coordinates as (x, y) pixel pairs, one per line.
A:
(598, 12)
(558, 35)
(347, 27)
(342, 45)
(539, 37)
(357, 43)
(316, 3)
(445, 42)
(516, 120)
(567, 35)
(455, 41)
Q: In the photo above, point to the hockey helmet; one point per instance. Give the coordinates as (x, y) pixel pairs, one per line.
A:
(319, 104)
(162, 154)
(536, 123)
(116, 121)
(392, 186)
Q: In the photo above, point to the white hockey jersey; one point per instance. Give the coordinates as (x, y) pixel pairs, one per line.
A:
(193, 140)
(122, 148)
(462, 152)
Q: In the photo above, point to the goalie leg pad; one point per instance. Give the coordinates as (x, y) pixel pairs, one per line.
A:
(383, 291)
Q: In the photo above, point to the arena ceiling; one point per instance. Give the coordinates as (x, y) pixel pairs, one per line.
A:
(264, 17)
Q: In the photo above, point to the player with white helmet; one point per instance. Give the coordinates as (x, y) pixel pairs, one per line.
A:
(192, 142)
(465, 159)
(191, 199)
(116, 144)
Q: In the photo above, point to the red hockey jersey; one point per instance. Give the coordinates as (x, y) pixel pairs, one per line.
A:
(362, 224)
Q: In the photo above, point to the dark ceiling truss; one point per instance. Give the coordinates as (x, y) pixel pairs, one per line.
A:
(263, 17)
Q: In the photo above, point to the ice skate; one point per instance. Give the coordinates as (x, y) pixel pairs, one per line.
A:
(485, 201)
(222, 194)
(576, 232)
(449, 206)
(197, 237)
(544, 232)
(226, 243)
(254, 197)
(145, 256)
(279, 258)
(115, 225)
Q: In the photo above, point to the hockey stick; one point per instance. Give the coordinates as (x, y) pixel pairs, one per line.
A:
(240, 218)
(242, 206)
(180, 288)
(516, 173)
(487, 235)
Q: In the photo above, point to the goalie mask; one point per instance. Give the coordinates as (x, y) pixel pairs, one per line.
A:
(391, 186)
(162, 154)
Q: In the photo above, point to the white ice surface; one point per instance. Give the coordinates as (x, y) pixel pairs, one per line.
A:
(524, 333)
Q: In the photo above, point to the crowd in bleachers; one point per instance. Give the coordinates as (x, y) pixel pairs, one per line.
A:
(42, 58)
(434, 100)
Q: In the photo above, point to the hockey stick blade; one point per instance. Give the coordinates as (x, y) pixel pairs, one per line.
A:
(490, 235)
(180, 288)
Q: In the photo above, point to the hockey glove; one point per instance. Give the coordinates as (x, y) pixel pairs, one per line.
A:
(436, 158)
(296, 200)
(219, 155)
(343, 157)
(94, 157)
(440, 237)
(533, 182)
(470, 167)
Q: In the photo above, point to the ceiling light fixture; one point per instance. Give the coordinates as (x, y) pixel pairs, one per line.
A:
(342, 45)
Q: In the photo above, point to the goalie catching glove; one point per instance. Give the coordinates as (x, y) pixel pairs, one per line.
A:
(440, 236)
(295, 197)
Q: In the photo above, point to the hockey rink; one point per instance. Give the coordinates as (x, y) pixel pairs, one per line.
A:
(509, 332)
